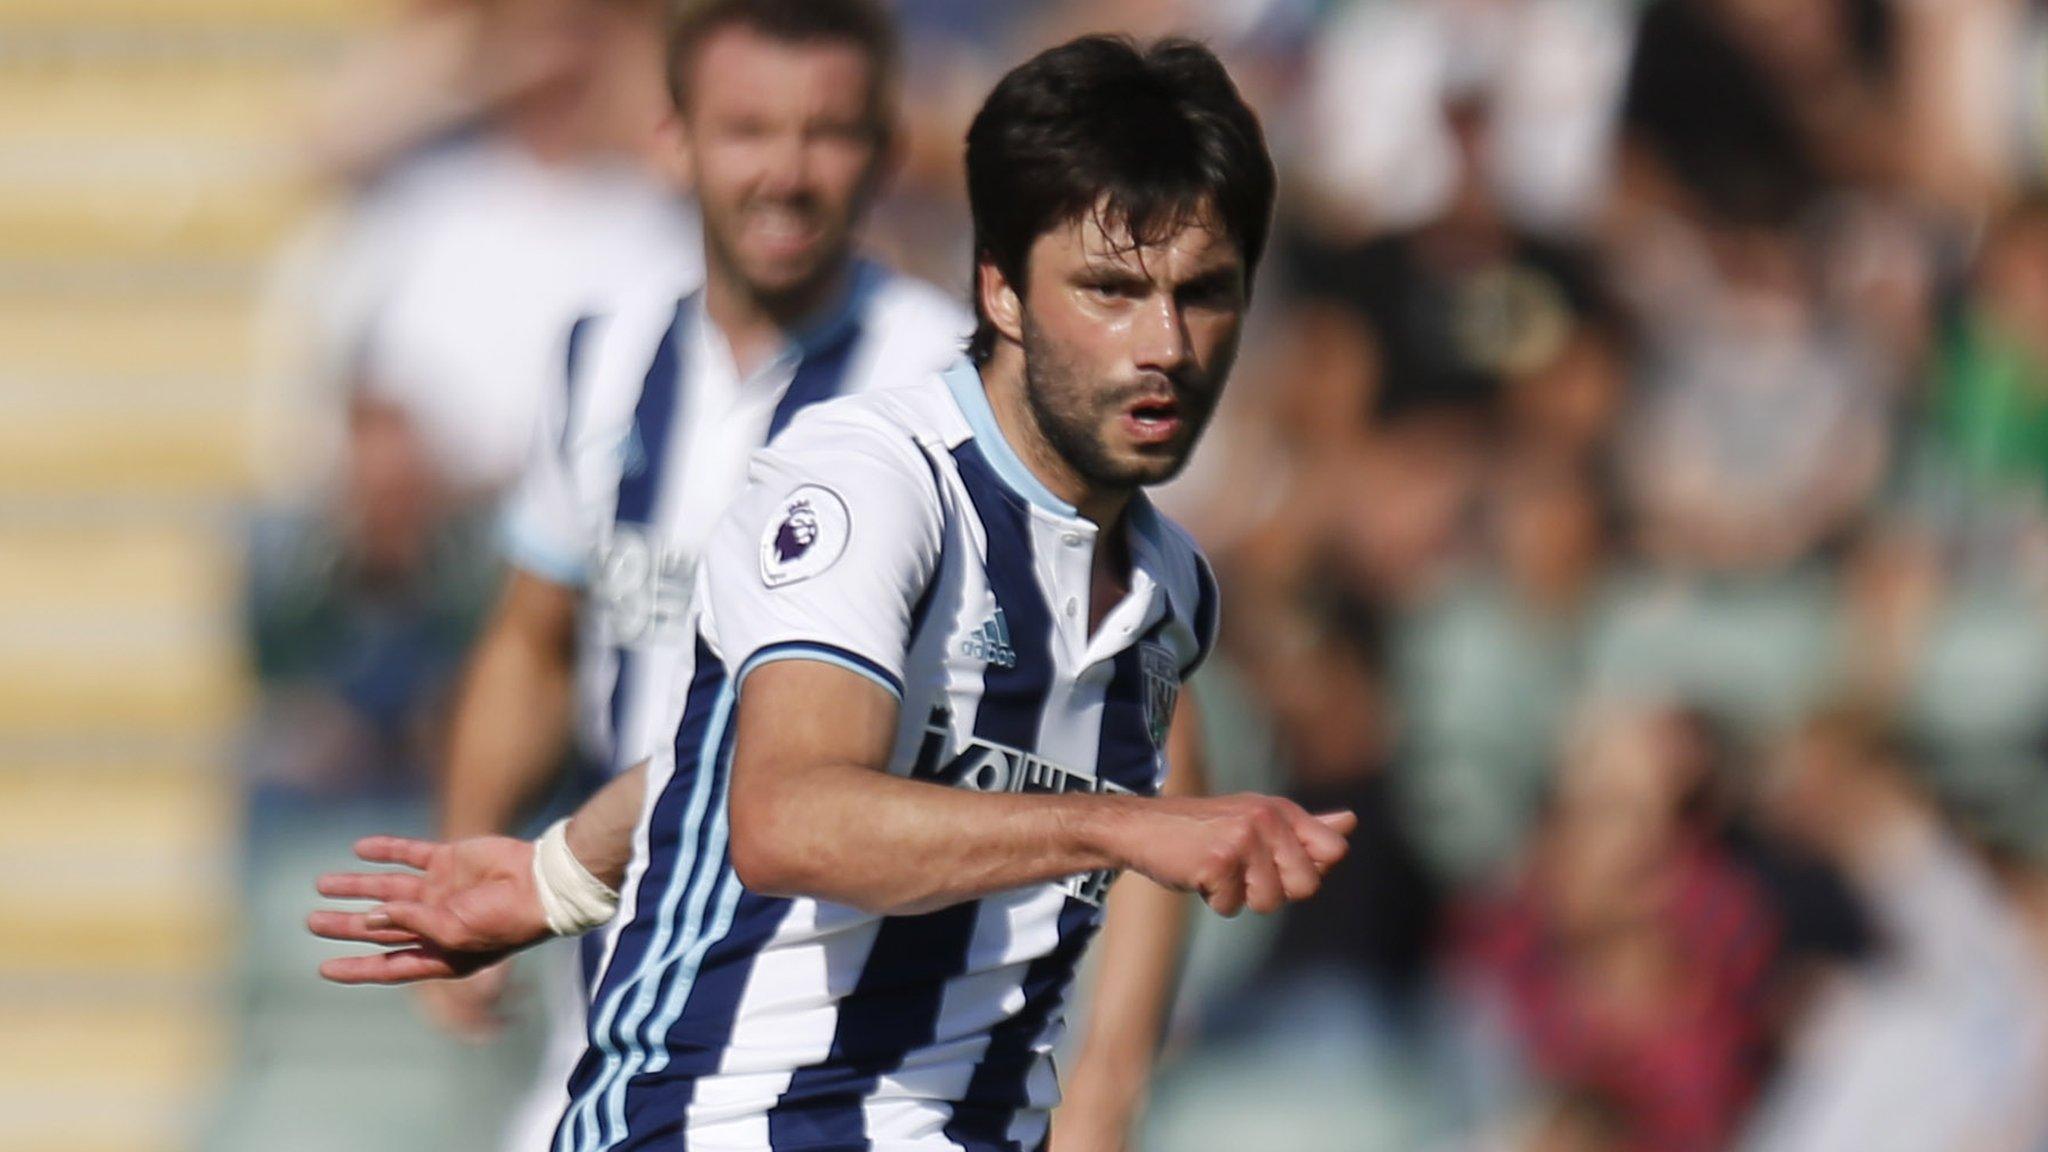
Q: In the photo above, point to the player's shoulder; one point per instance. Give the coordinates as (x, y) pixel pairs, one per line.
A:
(900, 299)
(915, 325)
(648, 301)
(886, 434)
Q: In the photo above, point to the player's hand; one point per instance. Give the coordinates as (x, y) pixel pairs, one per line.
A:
(466, 905)
(471, 1008)
(1237, 852)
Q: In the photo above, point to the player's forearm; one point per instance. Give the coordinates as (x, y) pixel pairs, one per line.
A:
(1144, 935)
(854, 836)
(601, 832)
(510, 729)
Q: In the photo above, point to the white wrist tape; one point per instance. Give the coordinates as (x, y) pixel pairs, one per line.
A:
(572, 900)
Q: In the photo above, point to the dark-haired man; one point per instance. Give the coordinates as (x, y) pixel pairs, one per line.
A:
(937, 647)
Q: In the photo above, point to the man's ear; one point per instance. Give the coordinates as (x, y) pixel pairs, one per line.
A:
(1000, 300)
(672, 153)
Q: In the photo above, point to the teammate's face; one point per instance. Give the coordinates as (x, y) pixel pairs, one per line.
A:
(1127, 348)
(784, 148)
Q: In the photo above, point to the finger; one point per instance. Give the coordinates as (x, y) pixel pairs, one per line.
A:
(1299, 874)
(1324, 836)
(357, 928)
(1263, 892)
(1343, 823)
(369, 886)
(396, 850)
(1225, 895)
(402, 967)
(427, 922)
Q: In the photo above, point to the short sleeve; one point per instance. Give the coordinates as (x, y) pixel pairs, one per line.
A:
(545, 531)
(826, 554)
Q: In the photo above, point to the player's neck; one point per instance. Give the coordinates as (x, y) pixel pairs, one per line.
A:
(1003, 378)
(759, 328)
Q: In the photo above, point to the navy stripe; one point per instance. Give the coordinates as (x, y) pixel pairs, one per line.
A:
(664, 833)
(656, 1106)
(894, 1006)
(589, 959)
(1127, 755)
(819, 377)
(1013, 698)
(640, 484)
(999, 1088)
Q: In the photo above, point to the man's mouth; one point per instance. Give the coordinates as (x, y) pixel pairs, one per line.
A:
(1153, 420)
(782, 230)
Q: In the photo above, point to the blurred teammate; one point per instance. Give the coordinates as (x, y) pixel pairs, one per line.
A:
(784, 120)
(955, 584)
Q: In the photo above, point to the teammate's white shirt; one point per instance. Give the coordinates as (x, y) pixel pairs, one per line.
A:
(647, 445)
(897, 535)
(442, 295)
(638, 452)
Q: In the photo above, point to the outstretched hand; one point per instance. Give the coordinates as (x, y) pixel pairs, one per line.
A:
(1238, 852)
(466, 904)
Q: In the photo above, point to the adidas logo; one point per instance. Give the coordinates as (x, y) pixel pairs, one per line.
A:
(990, 643)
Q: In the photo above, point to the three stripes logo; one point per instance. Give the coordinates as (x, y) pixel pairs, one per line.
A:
(990, 643)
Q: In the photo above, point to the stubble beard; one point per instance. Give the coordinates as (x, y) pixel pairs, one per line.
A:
(1070, 418)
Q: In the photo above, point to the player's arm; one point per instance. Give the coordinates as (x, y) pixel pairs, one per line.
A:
(1144, 936)
(814, 814)
(466, 904)
(512, 716)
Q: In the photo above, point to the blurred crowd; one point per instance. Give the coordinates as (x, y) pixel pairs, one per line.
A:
(1632, 499)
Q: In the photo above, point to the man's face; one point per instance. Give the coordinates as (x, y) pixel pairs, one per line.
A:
(784, 149)
(1126, 350)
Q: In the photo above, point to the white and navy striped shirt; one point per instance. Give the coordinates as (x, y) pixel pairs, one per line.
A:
(647, 444)
(897, 535)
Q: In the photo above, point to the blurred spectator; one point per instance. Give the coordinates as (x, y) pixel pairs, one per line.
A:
(1628, 959)
(359, 612)
(1801, 102)
(1982, 469)
(451, 285)
(1763, 428)
(1354, 960)
(1486, 671)
(1390, 80)
(1463, 302)
(1938, 1041)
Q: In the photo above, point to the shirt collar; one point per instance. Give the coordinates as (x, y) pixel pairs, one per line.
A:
(821, 332)
(971, 395)
(1143, 526)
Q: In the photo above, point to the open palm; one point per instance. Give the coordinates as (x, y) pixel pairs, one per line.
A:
(466, 904)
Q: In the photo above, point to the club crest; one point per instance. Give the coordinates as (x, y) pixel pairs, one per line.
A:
(1162, 690)
(806, 535)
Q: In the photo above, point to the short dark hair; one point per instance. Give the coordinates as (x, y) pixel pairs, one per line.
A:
(1151, 135)
(864, 24)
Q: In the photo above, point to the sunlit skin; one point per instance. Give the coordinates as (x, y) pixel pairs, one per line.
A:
(785, 145)
(1111, 359)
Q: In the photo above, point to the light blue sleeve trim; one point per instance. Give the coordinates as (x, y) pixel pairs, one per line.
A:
(527, 550)
(823, 654)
